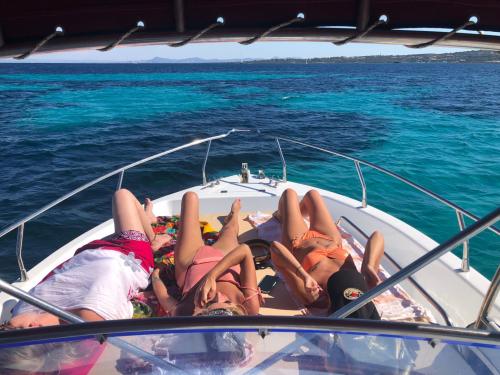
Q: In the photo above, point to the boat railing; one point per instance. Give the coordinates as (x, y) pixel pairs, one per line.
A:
(19, 225)
(460, 212)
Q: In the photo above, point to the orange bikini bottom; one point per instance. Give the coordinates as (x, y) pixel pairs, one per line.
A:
(317, 255)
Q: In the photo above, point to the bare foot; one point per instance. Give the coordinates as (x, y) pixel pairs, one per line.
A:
(148, 207)
(160, 240)
(235, 210)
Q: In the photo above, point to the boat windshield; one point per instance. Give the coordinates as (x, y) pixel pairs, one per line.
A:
(250, 351)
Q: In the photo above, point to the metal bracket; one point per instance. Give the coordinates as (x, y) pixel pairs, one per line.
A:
(219, 22)
(58, 31)
(205, 164)
(283, 162)
(465, 251)
(139, 26)
(473, 20)
(300, 18)
(19, 252)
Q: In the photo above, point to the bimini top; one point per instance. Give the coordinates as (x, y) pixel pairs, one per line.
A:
(29, 26)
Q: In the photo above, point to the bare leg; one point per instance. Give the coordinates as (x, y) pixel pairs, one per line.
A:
(128, 214)
(189, 238)
(228, 238)
(374, 251)
(312, 205)
(292, 222)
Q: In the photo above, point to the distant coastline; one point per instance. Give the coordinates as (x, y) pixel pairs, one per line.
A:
(476, 56)
(456, 57)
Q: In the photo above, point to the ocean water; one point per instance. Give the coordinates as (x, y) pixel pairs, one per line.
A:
(62, 125)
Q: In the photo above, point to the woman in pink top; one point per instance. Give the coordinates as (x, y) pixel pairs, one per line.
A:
(214, 280)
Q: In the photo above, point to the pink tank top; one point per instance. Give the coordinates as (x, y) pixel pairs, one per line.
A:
(204, 261)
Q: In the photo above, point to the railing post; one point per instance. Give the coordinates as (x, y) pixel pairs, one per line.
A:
(465, 251)
(362, 181)
(283, 161)
(205, 164)
(120, 180)
(490, 298)
(19, 252)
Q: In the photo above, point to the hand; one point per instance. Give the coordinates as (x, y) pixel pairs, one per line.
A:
(206, 291)
(371, 276)
(311, 286)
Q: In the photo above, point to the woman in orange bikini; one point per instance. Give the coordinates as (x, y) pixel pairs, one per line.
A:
(214, 280)
(316, 268)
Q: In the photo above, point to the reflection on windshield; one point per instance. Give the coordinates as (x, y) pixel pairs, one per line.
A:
(244, 351)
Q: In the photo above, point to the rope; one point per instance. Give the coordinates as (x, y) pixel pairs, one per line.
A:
(58, 31)
(219, 22)
(362, 34)
(272, 29)
(443, 37)
(139, 26)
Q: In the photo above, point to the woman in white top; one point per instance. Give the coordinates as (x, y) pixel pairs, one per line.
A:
(98, 282)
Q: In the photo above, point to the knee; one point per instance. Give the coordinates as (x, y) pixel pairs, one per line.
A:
(122, 194)
(289, 193)
(190, 196)
(377, 236)
(313, 194)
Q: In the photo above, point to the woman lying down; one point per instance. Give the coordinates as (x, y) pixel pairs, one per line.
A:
(98, 282)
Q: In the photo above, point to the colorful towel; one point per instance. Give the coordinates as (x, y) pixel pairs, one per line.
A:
(145, 303)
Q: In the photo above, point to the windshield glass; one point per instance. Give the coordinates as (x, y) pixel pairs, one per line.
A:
(249, 351)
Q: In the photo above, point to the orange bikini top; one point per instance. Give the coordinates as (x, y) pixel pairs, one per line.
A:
(317, 255)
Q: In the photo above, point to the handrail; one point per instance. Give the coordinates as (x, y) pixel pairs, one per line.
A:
(460, 212)
(431, 300)
(20, 224)
(398, 177)
(490, 297)
(420, 263)
(116, 171)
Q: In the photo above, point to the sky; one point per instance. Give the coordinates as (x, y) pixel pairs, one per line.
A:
(261, 50)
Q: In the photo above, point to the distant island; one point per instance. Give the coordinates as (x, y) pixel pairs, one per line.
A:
(476, 56)
(456, 57)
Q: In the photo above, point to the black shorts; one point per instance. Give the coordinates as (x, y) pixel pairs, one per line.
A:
(345, 286)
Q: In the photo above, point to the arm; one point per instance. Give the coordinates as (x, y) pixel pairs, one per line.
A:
(166, 301)
(285, 260)
(374, 251)
(242, 256)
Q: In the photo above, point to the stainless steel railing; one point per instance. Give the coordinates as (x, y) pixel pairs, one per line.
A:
(460, 212)
(120, 171)
(19, 225)
(489, 299)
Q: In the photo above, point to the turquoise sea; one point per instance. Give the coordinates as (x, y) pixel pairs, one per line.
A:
(62, 125)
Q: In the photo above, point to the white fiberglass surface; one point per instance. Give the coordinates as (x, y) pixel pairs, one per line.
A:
(244, 351)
